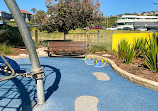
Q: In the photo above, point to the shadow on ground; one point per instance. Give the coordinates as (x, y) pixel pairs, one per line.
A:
(20, 93)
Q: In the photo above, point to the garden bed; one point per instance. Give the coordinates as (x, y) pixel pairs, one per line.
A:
(16, 52)
(138, 67)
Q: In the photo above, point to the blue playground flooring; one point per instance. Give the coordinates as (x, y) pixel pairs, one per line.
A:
(69, 78)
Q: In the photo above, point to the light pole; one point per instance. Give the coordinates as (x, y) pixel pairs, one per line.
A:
(25, 33)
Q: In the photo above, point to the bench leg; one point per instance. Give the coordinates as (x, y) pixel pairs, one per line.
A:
(49, 54)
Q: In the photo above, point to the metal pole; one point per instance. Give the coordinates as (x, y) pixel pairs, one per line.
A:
(25, 33)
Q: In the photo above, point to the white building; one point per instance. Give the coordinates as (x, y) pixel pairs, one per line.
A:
(134, 22)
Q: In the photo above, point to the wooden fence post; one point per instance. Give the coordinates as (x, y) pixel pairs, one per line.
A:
(36, 36)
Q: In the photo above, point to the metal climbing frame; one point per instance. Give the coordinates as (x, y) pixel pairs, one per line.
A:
(25, 33)
(11, 72)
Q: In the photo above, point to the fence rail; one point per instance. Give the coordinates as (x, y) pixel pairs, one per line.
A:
(100, 39)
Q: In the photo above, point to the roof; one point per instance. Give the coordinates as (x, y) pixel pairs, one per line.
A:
(135, 16)
(4, 12)
(23, 11)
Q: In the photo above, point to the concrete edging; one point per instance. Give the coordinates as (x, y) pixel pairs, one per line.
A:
(131, 77)
(22, 57)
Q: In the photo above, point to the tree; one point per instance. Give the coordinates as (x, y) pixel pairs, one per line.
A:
(34, 10)
(89, 12)
(40, 17)
(67, 14)
(110, 21)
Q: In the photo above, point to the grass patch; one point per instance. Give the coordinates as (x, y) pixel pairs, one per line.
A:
(40, 43)
(96, 48)
(58, 35)
(4, 49)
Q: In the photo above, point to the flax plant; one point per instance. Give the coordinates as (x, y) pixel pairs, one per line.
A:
(151, 55)
(126, 52)
(139, 46)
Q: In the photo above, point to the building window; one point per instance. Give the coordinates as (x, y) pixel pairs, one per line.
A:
(128, 23)
(120, 23)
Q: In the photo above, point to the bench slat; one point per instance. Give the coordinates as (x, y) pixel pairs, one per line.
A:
(66, 47)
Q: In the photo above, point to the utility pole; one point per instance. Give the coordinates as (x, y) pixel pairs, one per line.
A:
(37, 70)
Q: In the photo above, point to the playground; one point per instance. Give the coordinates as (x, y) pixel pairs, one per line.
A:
(33, 83)
(70, 85)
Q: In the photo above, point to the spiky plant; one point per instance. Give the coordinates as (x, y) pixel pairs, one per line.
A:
(151, 55)
(126, 52)
(139, 46)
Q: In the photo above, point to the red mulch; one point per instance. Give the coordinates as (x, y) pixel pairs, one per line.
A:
(17, 51)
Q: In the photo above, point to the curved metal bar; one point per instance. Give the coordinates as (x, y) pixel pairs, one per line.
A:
(12, 70)
(26, 35)
(15, 75)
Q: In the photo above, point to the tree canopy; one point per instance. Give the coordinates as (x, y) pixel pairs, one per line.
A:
(34, 10)
(67, 14)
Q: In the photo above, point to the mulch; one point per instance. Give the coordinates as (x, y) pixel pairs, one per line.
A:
(16, 52)
(138, 67)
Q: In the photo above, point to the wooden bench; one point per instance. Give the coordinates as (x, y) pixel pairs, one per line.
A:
(66, 48)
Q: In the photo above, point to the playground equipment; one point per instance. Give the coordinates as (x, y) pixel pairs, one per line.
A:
(37, 71)
(9, 63)
(8, 66)
(89, 60)
(99, 62)
(12, 69)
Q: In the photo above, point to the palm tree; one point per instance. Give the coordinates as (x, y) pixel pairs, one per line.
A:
(34, 10)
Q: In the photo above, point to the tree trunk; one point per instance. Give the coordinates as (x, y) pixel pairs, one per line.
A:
(34, 20)
(88, 38)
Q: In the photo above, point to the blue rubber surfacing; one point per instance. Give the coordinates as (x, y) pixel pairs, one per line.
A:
(69, 78)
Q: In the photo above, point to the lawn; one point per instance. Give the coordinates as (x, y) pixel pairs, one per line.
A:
(105, 36)
(78, 34)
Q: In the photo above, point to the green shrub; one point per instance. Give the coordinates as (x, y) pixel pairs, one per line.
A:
(10, 36)
(40, 43)
(4, 49)
(151, 55)
(126, 52)
(96, 48)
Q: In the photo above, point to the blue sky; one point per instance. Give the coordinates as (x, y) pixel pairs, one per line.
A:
(109, 7)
